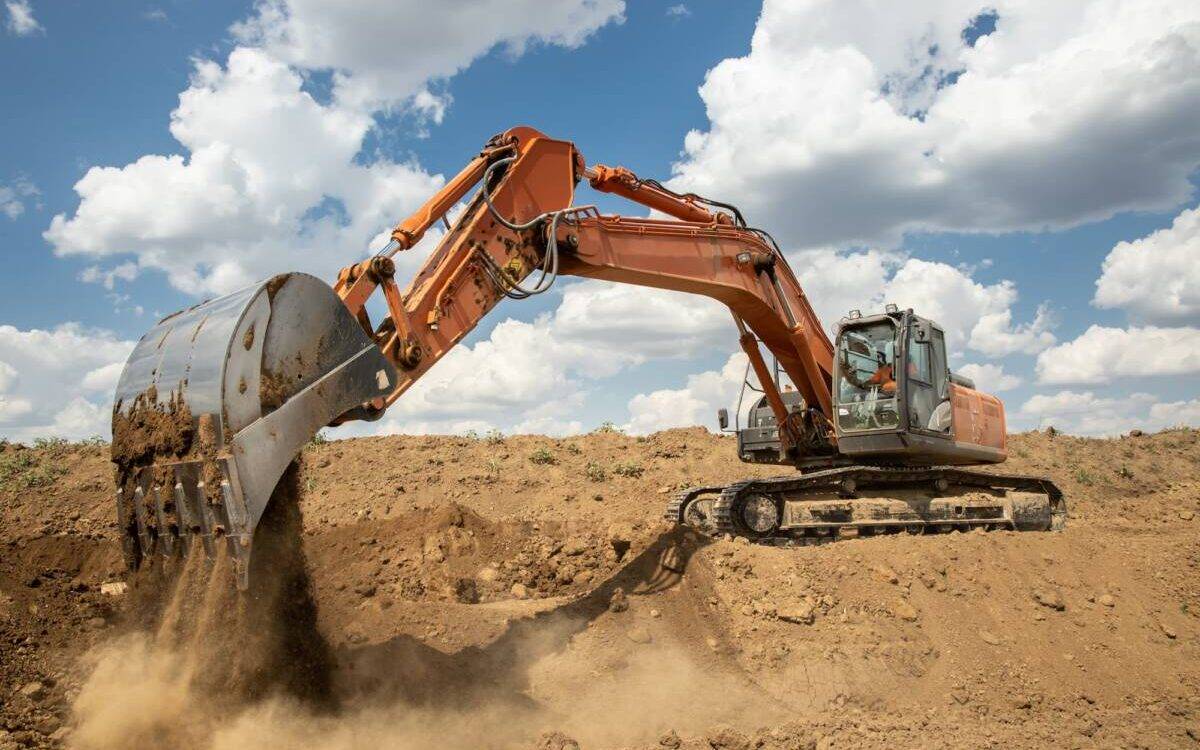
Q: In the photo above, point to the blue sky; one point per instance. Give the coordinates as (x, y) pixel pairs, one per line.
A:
(897, 159)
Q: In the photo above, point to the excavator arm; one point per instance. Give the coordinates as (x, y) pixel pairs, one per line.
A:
(521, 223)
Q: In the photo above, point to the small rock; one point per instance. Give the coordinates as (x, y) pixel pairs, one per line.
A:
(670, 740)
(34, 691)
(556, 741)
(1167, 630)
(583, 576)
(1136, 433)
(887, 574)
(1186, 515)
(800, 613)
(638, 634)
(905, 611)
(113, 588)
(574, 546)
(655, 613)
(366, 591)
(725, 738)
(712, 643)
(961, 697)
(97, 623)
(519, 591)
(488, 574)
(618, 602)
(741, 540)
(989, 638)
(1051, 598)
(1107, 600)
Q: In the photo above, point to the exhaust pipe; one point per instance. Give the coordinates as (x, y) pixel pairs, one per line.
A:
(214, 403)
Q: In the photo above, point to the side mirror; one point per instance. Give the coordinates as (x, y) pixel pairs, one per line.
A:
(723, 418)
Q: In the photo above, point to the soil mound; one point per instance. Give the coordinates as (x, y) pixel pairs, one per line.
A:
(521, 592)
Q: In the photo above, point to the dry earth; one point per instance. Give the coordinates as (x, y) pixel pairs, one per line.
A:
(522, 593)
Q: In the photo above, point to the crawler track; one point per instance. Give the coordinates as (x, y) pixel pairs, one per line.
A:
(863, 501)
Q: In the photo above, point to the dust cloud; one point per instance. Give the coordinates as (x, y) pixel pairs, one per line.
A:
(218, 669)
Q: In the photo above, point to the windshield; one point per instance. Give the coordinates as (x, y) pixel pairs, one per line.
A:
(866, 378)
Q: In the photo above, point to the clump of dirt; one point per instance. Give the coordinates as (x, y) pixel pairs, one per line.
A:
(435, 577)
(149, 428)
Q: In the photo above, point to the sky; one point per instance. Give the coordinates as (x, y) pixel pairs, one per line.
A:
(1024, 173)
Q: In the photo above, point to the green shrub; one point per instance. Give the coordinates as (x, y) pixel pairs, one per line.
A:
(595, 472)
(542, 456)
(630, 469)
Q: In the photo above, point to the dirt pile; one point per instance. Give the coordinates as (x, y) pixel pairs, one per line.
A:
(521, 592)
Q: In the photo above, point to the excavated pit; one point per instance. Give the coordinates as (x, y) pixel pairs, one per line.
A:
(473, 593)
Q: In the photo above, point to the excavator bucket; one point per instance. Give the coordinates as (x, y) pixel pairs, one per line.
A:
(215, 402)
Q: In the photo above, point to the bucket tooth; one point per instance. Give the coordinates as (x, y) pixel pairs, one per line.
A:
(166, 537)
(130, 546)
(144, 533)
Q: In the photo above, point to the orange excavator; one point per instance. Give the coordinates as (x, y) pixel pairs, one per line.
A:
(216, 401)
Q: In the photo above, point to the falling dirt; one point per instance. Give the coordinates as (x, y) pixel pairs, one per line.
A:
(520, 592)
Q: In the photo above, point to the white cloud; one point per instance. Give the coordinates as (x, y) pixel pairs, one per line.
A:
(854, 122)
(385, 51)
(1102, 355)
(14, 195)
(20, 18)
(973, 314)
(989, 377)
(694, 404)
(1156, 278)
(247, 202)
(273, 179)
(528, 377)
(1088, 414)
(678, 11)
(44, 375)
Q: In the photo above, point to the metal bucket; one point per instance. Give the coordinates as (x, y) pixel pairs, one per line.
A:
(215, 402)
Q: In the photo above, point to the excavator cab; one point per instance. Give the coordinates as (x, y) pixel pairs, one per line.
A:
(894, 399)
(894, 396)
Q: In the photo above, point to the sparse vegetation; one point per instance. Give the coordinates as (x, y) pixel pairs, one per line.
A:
(608, 427)
(493, 437)
(573, 449)
(1124, 473)
(1083, 476)
(22, 469)
(595, 472)
(630, 469)
(542, 456)
(492, 466)
(318, 439)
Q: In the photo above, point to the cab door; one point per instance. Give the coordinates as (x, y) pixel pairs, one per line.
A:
(927, 379)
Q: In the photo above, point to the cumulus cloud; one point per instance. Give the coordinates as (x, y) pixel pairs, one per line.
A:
(854, 122)
(273, 179)
(1102, 355)
(383, 51)
(59, 381)
(20, 18)
(973, 314)
(1085, 413)
(989, 377)
(696, 403)
(246, 202)
(528, 377)
(1156, 279)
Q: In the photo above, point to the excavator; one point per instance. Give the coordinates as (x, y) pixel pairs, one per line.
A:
(217, 400)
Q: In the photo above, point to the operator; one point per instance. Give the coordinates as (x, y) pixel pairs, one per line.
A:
(884, 376)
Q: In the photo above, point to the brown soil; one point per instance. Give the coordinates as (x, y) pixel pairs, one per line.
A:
(463, 595)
